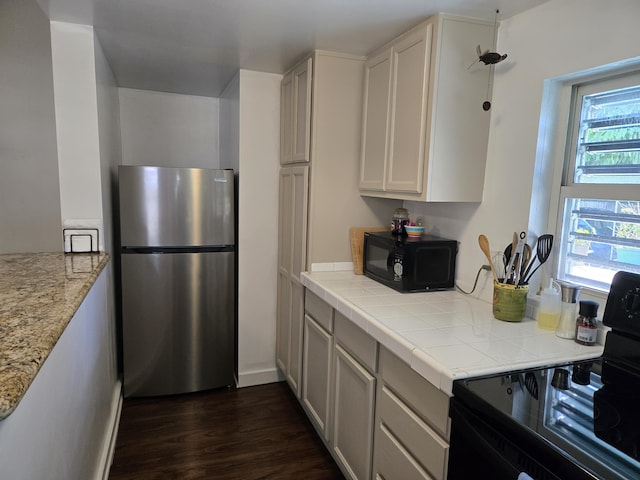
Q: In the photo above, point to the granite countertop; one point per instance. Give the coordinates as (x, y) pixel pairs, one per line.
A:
(446, 335)
(39, 294)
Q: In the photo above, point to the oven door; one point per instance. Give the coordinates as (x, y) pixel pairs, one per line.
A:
(479, 451)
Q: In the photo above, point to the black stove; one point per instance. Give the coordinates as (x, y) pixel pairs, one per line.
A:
(574, 421)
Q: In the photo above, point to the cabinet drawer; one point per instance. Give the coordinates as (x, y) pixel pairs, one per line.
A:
(356, 341)
(393, 462)
(418, 439)
(319, 310)
(431, 404)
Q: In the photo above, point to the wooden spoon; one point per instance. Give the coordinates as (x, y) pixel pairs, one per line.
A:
(483, 241)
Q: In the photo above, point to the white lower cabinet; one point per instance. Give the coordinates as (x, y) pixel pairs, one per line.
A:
(354, 403)
(393, 460)
(379, 418)
(412, 424)
(316, 374)
(294, 187)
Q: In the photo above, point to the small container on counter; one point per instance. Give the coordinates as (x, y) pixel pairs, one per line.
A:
(550, 307)
(399, 221)
(569, 295)
(509, 301)
(586, 325)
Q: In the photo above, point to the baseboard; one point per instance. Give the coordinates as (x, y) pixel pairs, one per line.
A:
(261, 377)
(109, 445)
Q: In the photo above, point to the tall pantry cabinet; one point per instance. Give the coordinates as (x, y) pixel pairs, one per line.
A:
(320, 121)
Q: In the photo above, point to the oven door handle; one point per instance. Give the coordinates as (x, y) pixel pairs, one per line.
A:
(492, 455)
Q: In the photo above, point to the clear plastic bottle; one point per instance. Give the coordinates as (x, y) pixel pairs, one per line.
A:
(550, 307)
(586, 326)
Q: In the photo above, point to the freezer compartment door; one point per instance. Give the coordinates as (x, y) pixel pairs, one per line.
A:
(178, 322)
(175, 207)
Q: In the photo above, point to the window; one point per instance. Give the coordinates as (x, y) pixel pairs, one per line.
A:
(599, 224)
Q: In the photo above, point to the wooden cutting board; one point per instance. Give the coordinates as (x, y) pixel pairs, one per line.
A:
(356, 235)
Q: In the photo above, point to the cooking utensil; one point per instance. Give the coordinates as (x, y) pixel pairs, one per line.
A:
(526, 258)
(483, 241)
(543, 251)
(519, 261)
(515, 263)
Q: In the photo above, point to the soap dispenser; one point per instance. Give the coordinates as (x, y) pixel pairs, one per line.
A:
(550, 307)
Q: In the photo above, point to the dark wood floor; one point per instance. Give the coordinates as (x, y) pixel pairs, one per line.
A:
(249, 433)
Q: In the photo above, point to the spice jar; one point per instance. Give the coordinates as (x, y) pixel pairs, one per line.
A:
(400, 219)
(586, 326)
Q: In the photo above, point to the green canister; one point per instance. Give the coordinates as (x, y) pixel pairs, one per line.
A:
(509, 301)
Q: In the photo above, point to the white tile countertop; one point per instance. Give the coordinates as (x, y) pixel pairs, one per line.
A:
(444, 336)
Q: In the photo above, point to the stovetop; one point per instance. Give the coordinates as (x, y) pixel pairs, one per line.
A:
(588, 411)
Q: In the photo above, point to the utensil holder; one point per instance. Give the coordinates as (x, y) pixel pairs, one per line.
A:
(509, 301)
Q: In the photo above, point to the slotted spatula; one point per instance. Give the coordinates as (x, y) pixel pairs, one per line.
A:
(543, 251)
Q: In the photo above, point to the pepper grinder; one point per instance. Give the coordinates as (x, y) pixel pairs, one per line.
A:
(569, 295)
(586, 326)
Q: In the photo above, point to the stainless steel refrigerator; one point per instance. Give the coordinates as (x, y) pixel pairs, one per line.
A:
(177, 257)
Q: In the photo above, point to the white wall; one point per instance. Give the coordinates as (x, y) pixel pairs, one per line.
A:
(29, 189)
(62, 427)
(251, 117)
(230, 125)
(74, 80)
(169, 130)
(555, 39)
(109, 139)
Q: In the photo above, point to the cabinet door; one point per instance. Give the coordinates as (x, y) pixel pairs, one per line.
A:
(283, 327)
(302, 76)
(298, 220)
(353, 409)
(292, 226)
(286, 119)
(294, 375)
(316, 368)
(375, 121)
(411, 61)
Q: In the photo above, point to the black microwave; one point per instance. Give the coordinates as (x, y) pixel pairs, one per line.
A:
(410, 264)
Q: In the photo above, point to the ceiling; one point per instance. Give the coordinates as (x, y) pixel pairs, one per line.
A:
(196, 46)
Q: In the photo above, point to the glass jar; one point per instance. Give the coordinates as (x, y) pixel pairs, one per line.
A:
(399, 221)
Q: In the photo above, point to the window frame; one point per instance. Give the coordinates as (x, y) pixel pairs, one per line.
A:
(573, 90)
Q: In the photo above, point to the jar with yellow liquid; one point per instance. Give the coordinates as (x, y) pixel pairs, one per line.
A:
(550, 307)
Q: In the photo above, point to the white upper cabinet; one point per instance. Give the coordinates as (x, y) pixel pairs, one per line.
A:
(295, 117)
(376, 121)
(286, 119)
(410, 58)
(424, 134)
